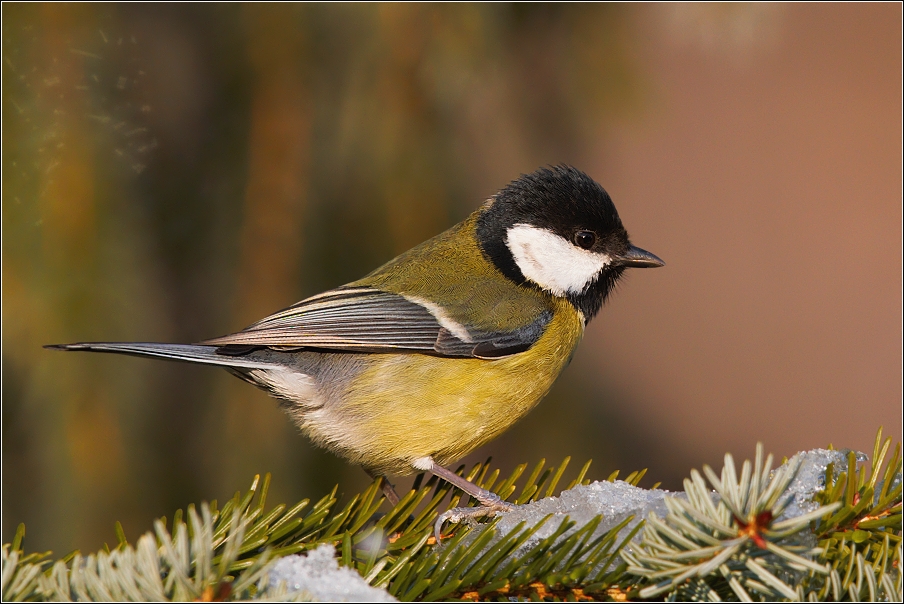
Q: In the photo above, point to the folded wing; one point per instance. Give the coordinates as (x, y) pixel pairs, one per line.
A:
(365, 319)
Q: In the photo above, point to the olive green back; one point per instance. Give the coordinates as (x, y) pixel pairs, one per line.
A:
(452, 271)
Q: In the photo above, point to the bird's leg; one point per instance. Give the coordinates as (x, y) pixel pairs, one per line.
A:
(490, 503)
(389, 491)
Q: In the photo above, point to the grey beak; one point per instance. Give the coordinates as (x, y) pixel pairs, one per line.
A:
(638, 258)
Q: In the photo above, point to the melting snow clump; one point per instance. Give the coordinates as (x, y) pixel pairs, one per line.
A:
(319, 576)
(811, 477)
(615, 501)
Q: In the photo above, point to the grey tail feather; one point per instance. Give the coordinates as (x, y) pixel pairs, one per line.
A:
(192, 353)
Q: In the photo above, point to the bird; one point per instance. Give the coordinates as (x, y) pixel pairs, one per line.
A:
(444, 347)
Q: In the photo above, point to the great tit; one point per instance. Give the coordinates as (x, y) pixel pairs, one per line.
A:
(443, 348)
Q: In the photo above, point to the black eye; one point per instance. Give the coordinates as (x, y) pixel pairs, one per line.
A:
(585, 239)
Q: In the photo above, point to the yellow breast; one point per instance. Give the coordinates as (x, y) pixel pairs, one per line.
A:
(402, 407)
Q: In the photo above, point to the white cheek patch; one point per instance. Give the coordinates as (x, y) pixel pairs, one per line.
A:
(552, 262)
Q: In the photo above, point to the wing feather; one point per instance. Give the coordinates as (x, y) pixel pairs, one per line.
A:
(372, 320)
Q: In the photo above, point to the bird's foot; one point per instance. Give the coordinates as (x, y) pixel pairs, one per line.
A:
(455, 515)
(490, 502)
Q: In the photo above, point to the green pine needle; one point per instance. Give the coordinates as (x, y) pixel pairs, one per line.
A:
(721, 544)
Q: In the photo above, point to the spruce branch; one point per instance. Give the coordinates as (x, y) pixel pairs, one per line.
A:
(732, 542)
(736, 535)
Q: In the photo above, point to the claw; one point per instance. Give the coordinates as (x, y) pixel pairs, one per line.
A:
(490, 502)
(458, 514)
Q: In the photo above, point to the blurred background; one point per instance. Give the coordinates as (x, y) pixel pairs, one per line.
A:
(175, 172)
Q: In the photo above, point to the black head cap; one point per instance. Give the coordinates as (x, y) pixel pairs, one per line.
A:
(561, 201)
